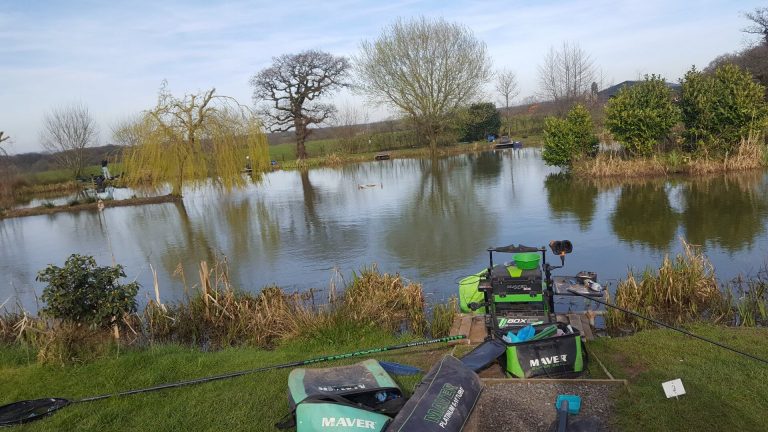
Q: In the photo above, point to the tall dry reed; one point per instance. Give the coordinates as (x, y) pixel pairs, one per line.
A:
(215, 315)
(750, 154)
(220, 315)
(683, 289)
(385, 300)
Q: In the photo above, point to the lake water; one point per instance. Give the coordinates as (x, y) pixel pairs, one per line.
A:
(431, 221)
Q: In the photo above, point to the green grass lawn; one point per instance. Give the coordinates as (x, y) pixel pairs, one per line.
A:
(724, 391)
(65, 175)
(251, 402)
(315, 148)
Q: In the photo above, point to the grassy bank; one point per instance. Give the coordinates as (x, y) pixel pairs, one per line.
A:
(724, 391)
(217, 330)
(251, 402)
(255, 402)
(217, 315)
(340, 158)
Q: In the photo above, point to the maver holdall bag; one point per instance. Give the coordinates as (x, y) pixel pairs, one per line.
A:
(442, 401)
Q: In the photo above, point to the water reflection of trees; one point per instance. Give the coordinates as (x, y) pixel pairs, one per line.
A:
(444, 223)
(167, 232)
(724, 211)
(727, 211)
(569, 197)
(644, 215)
(324, 237)
(486, 166)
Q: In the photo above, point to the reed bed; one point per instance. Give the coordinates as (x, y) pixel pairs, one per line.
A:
(750, 154)
(682, 290)
(609, 165)
(384, 300)
(218, 315)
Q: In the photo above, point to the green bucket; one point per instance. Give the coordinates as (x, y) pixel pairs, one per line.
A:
(527, 261)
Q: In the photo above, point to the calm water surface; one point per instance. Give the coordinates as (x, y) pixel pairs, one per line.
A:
(429, 220)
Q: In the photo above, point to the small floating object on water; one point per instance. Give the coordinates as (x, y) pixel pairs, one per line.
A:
(366, 186)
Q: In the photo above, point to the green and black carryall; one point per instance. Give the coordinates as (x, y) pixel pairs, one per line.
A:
(554, 357)
(442, 401)
(359, 397)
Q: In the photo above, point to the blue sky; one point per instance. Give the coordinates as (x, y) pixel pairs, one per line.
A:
(113, 55)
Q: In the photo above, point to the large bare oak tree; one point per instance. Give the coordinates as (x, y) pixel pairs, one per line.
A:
(425, 69)
(288, 91)
(67, 131)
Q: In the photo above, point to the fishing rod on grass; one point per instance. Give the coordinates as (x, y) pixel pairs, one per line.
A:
(28, 410)
(671, 327)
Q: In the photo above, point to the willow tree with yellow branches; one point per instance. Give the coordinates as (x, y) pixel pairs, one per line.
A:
(189, 140)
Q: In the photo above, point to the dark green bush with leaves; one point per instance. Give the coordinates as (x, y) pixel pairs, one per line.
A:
(721, 108)
(566, 140)
(641, 115)
(477, 121)
(84, 293)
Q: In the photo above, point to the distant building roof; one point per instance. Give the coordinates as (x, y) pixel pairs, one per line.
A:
(614, 90)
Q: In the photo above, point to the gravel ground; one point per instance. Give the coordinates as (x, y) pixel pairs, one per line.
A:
(529, 406)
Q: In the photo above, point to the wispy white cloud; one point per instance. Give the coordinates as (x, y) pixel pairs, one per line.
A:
(113, 55)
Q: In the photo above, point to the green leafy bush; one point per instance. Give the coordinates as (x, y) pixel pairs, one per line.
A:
(566, 140)
(83, 293)
(640, 115)
(477, 121)
(720, 109)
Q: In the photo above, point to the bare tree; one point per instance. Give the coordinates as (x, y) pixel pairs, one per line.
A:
(425, 69)
(289, 88)
(67, 131)
(566, 74)
(759, 18)
(351, 121)
(3, 138)
(506, 85)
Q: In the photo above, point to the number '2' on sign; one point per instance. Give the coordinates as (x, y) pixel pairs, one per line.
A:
(673, 388)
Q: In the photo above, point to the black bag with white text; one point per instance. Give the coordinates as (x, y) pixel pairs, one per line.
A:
(443, 400)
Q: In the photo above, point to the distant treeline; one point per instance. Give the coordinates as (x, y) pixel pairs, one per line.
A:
(38, 162)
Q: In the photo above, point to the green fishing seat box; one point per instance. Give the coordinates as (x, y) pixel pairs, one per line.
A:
(552, 357)
(511, 285)
(512, 316)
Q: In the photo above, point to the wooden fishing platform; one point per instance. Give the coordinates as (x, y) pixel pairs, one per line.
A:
(473, 326)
